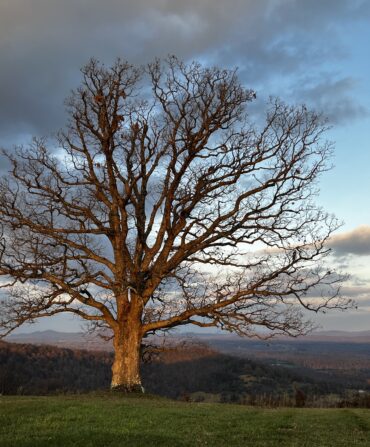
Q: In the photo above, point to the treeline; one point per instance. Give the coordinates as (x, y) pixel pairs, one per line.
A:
(32, 369)
(185, 372)
(223, 378)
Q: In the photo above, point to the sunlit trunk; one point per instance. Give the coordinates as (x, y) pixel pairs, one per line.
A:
(126, 364)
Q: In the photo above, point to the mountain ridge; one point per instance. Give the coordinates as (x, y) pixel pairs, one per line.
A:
(82, 340)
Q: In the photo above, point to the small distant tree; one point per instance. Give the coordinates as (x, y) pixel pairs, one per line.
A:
(300, 397)
(162, 205)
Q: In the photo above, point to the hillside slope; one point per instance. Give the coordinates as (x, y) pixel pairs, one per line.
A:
(183, 372)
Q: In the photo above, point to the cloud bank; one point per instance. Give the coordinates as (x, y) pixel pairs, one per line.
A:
(354, 242)
(275, 43)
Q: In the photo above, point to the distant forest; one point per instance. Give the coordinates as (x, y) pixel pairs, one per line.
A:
(184, 372)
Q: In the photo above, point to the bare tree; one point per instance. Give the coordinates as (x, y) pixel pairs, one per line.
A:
(166, 206)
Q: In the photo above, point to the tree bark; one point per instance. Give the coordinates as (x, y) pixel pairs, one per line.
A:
(126, 364)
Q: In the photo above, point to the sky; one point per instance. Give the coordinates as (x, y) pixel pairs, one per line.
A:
(311, 51)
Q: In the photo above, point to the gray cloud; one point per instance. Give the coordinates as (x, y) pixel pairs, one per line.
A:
(360, 294)
(44, 42)
(355, 242)
(332, 96)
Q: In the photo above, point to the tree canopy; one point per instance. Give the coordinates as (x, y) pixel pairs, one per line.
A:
(163, 204)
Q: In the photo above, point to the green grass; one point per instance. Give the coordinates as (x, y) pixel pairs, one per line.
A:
(110, 420)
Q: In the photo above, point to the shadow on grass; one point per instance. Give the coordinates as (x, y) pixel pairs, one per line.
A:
(104, 439)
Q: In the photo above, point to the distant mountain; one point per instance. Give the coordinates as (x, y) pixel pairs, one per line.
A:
(81, 340)
(338, 336)
(46, 335)
(327, 336)
(75, 340)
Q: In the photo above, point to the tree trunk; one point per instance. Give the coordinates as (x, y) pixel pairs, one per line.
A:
(126, 364)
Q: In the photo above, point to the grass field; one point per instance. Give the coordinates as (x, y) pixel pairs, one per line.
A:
(110, 420)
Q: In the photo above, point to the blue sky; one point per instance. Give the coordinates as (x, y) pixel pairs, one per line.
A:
(312, 51)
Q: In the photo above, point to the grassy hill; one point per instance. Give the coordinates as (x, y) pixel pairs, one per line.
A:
(111, 420)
